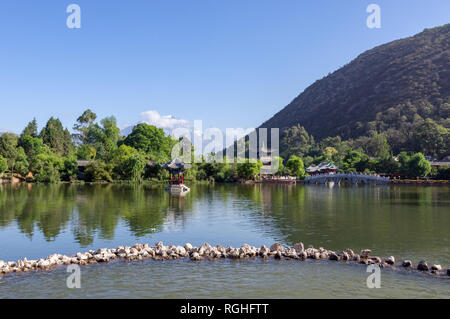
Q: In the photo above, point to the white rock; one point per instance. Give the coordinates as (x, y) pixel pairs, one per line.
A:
(365, 253)
(101, 251)
(81, 256)
(180, 250)
(390, 260)
(436, 267)
(43, 263)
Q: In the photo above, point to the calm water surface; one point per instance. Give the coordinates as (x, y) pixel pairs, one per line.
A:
(407, 222)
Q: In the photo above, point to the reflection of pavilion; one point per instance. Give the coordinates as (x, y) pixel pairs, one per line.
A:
(176, 202)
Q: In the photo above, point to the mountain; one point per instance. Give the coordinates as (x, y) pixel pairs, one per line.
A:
(390, 88)
(126, 131)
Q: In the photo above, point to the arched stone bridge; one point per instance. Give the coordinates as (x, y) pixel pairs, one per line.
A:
(339, 178)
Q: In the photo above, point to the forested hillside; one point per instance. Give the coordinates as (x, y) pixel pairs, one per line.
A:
(400, 90)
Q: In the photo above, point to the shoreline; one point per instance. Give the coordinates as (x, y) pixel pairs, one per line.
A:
(247, 182)
(208, 252)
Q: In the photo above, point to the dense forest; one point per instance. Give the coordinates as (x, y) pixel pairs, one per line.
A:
(398, 92)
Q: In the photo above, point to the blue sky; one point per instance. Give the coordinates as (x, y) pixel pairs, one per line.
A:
(230, 63)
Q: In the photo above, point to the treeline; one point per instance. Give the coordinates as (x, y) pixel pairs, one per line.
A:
(52, 155)
(371, 154)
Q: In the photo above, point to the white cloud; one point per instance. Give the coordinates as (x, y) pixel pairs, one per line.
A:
(166, 122)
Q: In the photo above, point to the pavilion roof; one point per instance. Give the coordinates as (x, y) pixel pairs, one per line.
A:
(176, 163)
(321, 166)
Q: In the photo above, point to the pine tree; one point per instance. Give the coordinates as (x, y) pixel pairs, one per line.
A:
(54, 136)
(31, 129)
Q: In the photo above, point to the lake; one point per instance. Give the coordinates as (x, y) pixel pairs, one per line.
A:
(408, 222)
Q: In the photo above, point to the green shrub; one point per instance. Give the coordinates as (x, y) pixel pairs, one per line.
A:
(98, 171)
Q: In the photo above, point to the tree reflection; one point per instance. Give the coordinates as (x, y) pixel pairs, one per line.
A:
(90, 211)
(47, 208)
(357, 217)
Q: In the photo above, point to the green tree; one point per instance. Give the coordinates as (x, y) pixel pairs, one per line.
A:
(248, 169)
(387, 165)
(122, 153)
(224, 173)
(111, 136)
(46, 167)
(296, 167)
(378, 146)
(69, 169)
(31, 129)
(86, 152)
(418, 166)
(21, 164)
(102, 137)
(432, 138)
(281, 169)
(31, 145)
(129, 164)
(56, 137)
(329, 152)
(295, 140)
(84, 122)
(134, 167)
(356, 161)
(3, 165)
(110, 129)
(8, 148)
(98, 171)
(150, 140)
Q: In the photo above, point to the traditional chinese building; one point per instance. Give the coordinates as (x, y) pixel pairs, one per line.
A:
(322, 168)
(176, 169)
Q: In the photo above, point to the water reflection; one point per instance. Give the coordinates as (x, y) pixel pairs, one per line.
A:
(47, 208)
(410, 221)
